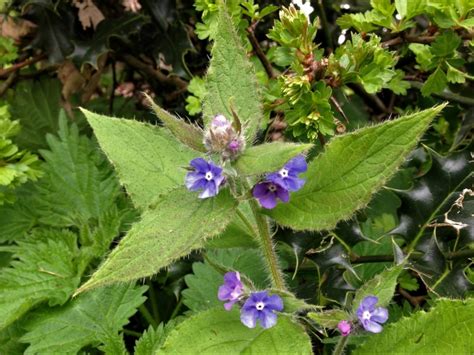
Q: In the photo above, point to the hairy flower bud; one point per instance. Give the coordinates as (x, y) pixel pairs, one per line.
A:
(222, 138)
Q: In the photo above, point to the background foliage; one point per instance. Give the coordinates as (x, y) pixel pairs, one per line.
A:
(354, 64)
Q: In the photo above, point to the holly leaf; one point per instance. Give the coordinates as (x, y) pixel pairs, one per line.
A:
(354, 166)
(92, 318)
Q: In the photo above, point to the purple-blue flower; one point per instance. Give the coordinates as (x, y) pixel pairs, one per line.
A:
(267, 192)
(231, 290)
(261, 307)
(370, 316)
(206, 177)
(287, 176)
(344, 327)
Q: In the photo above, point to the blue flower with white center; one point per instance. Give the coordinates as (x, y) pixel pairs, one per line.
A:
(370, 316)
(206, 177)
(287, 177)
(261, 307)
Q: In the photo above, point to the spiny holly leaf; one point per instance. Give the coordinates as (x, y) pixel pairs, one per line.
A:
(179, 223)
(354, 166)
(204, 283)
(186, 133)
(35, 104)
(382, 286)
(268, 157)
(230, 80)
(148, 160)
(446, 329)
(93, 318)
(79, 184)
(44, 270)
(219, 331)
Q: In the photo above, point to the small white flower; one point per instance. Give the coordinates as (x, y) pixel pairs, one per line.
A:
(305, 7)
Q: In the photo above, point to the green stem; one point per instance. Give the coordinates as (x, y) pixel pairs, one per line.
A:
(341, 344)
(176, 309)
(146, 314)
(446, 94)
(153, 301)
(132, 333)
(246, 222)
(266, 245)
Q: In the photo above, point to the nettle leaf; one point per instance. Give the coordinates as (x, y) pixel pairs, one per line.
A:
(446, 329)
(90, 319)
(148, 159)
(186, 133)
(79, 184)
(219, 331)
(382, 286)
(179, 223)
(35, 104)
(354, 166)
(230, 80)
(44, 269)
(152, 339)
(204, 283)
(269, 157)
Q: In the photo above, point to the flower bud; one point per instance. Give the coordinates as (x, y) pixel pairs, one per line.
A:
(222, 138)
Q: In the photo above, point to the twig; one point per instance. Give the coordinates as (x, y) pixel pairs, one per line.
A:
(4, 73)
(155, 73)
(339, 108)
(417, 39)
(371, 100)
(258, 50)
(446, 94)
(414, 300)
(114, 84)
(7, 83)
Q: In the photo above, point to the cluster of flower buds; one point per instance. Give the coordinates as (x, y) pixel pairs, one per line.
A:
(279, 184)
(257, 306)
(224, 138)
(369, 316)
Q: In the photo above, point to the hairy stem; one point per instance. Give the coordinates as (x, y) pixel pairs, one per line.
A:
(247, 223)
(266, 245)
(341, 344)
(146, 314)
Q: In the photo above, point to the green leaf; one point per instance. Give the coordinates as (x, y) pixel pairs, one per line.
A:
(423, 54)
(435, 84)
(9, 340)
(179, 223)
(188, 134)
(268, 157)
(329, 319)
(409, 8)
(455, 76)
(44, 270)
(381, 286)
(79, 184)
(231, 81)
(90, 319)
(148, 160)
(354, 166)
(446, 329)
(218, 331)
(152, 339)
(35, 104)
(204, 283)
(445, 44)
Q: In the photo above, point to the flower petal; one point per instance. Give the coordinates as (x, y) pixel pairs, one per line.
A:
(379, 315)
(267, 318)
(294, 183)
(200, 165)
(209, 191)
(283, 194)
(297, 164)
(249, 317)
(274, 303)
(369, 302)
(372, 327)
(228, 305)
(268, 201)
(260, 190)
(223, 294)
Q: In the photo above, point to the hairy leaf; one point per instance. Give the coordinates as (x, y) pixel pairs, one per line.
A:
(44, 270)
(79, 184)
(329, 319)
(382, 286)
(446, 329)
(186, 133)
(230, 80)
(92, 318)
(148, 159)
(265, 158)
(178, 224)
(152, 339)
(354, 166)
(218, 331)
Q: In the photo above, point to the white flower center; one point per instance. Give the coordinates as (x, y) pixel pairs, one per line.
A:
(260, 306)
(284, 173)
(272, 188)
(209, 176)
(366, 315)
